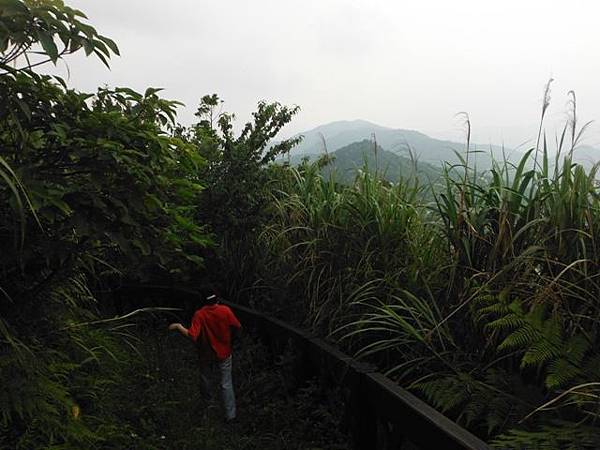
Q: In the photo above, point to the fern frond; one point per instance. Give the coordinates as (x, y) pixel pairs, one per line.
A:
(507, 322)
(540, 352)
(448, 392)
(520, 339)
(560, 373)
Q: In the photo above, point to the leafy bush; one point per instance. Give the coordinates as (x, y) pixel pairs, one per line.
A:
(238, 182)
(93, 188)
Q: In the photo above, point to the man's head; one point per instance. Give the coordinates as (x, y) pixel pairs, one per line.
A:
(212, 299)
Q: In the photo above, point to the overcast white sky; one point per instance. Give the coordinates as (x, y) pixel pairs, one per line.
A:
(404, 64)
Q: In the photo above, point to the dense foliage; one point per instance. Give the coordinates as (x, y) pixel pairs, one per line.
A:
(238, 178)
(483, 299)
(97, 190)
(93, 189)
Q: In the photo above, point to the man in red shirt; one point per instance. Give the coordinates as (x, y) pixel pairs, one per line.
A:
(211, 330)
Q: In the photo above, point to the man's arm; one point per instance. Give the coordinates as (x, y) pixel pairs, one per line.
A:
(177, 326)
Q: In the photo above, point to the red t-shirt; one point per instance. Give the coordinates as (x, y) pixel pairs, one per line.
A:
(215, 321)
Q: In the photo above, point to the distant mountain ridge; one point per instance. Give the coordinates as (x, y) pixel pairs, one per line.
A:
(425, 149)
(335, 135)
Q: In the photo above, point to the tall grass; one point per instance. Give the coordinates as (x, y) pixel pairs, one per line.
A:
(486, 300)
(333, 241)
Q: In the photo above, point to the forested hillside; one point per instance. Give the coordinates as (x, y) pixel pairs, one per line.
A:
(344, 165)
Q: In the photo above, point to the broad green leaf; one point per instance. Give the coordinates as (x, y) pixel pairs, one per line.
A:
(48, 45)
(111, 44)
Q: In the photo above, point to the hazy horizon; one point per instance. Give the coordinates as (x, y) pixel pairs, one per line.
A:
(410, 66)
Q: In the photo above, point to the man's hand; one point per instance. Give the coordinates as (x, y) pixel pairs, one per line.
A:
(177, 326)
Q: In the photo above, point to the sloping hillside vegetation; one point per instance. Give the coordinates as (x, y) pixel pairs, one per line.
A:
(345, 163)
(485, 303)
(483, 299)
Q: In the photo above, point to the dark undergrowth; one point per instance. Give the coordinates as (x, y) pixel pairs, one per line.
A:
(162, 407)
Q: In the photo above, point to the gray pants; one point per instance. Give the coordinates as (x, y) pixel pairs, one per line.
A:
(226, 383)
